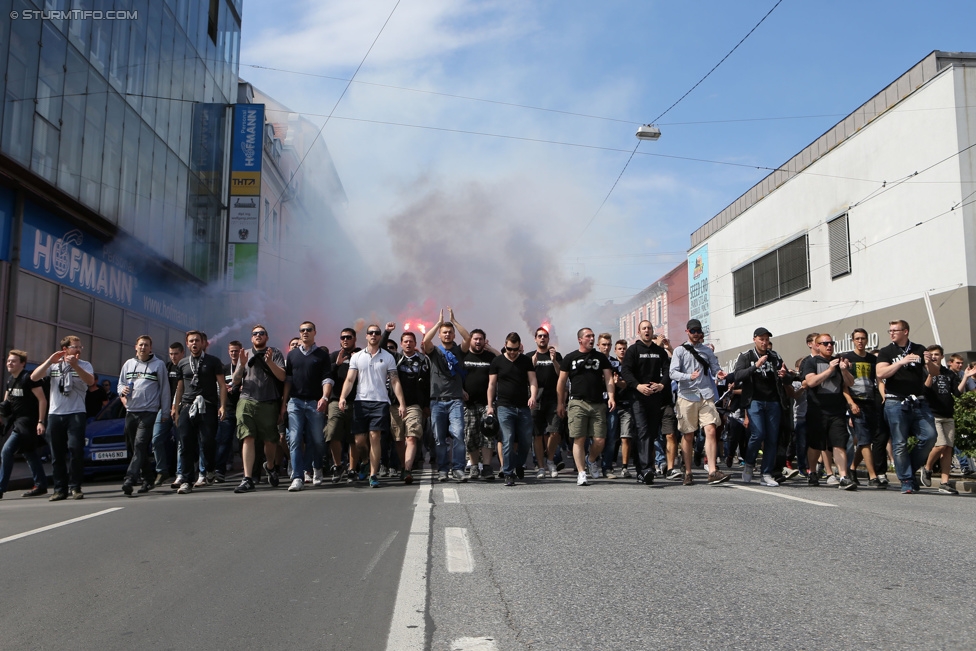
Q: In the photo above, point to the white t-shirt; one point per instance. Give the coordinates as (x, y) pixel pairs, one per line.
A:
(72, 400)
(372, 373)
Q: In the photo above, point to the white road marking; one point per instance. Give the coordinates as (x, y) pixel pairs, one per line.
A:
(379, 554)
(451, 496)
(56, 525)
(408, 629)
(458, 550)
(777, 494)
(474, 644)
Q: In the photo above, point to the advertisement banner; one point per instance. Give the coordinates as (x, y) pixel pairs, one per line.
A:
(698, 303)
(248, 138)
(244, 217)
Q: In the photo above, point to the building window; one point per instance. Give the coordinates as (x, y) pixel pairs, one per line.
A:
(840, 246)
(775, 275)
(212, 21)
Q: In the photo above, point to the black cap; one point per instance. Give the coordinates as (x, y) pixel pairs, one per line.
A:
(762, 332)
(694, 323)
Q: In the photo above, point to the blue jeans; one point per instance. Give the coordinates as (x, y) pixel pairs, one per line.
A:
(763, 432)
(162, 434)
(67, 436)
(226, 431)
(515, 424)
(305, 426)
(905, 421)
(33, 460)
(447, 419)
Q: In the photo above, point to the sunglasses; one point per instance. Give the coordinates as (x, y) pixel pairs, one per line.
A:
(512, 350)
(344, 337)
(303, 330)
(695, 331)
(259, 333)
(827, 343)
(373, 333)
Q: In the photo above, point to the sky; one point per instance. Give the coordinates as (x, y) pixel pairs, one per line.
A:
(479, 140)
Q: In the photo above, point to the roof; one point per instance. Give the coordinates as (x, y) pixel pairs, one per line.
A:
(916, 77)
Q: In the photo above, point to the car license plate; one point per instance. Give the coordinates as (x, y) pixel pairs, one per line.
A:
(108, 455)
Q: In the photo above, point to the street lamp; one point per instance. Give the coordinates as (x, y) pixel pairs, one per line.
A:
(648, 132)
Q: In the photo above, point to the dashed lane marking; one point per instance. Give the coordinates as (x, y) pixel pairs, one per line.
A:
(459, 559)
(778, 494)
(56, 525)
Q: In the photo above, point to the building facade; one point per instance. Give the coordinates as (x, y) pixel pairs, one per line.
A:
(111, 219)
(664, 303)
(873, 221)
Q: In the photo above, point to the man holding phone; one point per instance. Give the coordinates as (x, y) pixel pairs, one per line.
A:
(759, 373)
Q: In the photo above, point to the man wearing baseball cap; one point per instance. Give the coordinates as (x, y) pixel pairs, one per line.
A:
(695, 368)
(759, 372)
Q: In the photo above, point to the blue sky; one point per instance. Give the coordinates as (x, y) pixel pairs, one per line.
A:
(513, 210)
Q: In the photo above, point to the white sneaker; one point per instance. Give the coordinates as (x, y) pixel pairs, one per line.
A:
(309, 478)
(185, 488)
(179, 481)
(747, 475)
(200, 482)
(594, 469)
(318, 479)
(767, 480)
(833, 480)
(706, 468)
(552, 469)
(581, 480)
(297, 484)
(540, 474)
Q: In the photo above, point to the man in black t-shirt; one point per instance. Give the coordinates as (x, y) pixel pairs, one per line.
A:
(907, 371)
(24, 414)
(547, 422)
(861, 403)
(199, 404)
(307, 369)
(476, 363)
(338, 426)
(825, 377)
(163, 429)
(227, 427)
(512, 381)
(946, 387)
(589, 373)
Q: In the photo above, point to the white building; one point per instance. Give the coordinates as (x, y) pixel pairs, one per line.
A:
(873, 221)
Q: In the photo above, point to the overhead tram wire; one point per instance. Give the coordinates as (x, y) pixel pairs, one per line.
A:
(336, 105)
(668, 110)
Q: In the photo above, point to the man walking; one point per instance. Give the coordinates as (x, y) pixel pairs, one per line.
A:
(259, 408)
(144, 388)
(447, 395)
(163, 427)
(24, 412)
(547, 423)
(307, 368)
(946, 387)
(861, 403)
(695, 368)
(413, 368)
(476, 363)
(199, 404)
(70, 378)
(512, 380)
(645, 370)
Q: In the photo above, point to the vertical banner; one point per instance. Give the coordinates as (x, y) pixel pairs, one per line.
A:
(244, 214)
(698, 303)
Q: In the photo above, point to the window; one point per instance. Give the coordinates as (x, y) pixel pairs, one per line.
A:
(840, 246)
(212, 20)
(76, 309)
(775, 275)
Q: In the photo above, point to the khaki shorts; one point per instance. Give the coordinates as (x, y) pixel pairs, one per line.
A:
(338, 426)
(945, 432)
(411, 425)
(587, 419)
(693, 415)
(258, 419)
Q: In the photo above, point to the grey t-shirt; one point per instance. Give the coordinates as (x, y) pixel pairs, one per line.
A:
(67, 397)
(259, 383)
(444, 385)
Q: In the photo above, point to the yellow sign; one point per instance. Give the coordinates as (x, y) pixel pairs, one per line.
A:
(245, 183)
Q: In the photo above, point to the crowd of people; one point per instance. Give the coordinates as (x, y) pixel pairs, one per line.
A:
(607, 409)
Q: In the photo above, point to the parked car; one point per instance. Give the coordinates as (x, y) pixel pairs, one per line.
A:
(105, 449)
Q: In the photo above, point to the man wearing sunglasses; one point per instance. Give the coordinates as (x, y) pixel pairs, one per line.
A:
(261, 371)
(547, 422)
(337, 427)
(306, 369)
(195, 411)
(695, 368)
(511, 379)
(369, 371)
(826, 377)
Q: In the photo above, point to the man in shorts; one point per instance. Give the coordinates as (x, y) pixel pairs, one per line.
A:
(413, 368)
(369, 371)
(625, 417)
(546, 421)
(589, 373)
(261, 373)
(825, 377)
(946, 386)
(337, 427)
(695, 368)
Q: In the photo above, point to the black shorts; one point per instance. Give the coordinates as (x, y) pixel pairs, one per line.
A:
(545, 419)
(826, 431)
(370, 416)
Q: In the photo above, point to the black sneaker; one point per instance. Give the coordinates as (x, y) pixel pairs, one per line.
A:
(145, 488)
(488, 475)
(646, 477)
(813, 479)
(853, 475)
(559, 466)
(34, 492)
(520, 471)
(246, 486)
(947, 489)
(876, 483)
(57, 497)
(847, 484)
(273, 478)
(127, 487)
(336, 474)
(510, 481)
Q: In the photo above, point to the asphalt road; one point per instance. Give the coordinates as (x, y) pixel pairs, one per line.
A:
(614, 565)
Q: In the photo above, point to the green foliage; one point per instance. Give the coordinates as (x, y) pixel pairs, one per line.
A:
(965, 417)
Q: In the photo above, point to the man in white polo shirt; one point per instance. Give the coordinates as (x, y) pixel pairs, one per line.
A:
(372, 367)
